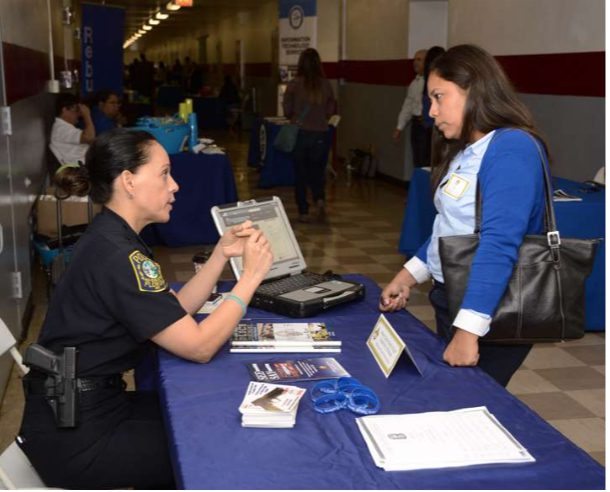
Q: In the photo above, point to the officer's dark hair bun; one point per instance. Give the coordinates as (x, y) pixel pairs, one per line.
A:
(112, 153)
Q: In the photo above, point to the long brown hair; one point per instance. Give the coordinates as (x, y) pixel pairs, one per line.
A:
(491, 102)
(311, 71)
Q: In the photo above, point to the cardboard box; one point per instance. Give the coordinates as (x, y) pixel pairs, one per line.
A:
(74, 211)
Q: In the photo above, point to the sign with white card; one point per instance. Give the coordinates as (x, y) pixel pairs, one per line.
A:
(387, 347)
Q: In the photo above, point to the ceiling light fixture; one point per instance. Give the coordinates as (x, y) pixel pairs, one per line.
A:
(161, 16)
(153, 22)
(147, 28)
(172, 6)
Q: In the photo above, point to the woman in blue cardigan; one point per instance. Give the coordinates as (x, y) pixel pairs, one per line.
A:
(482, 133)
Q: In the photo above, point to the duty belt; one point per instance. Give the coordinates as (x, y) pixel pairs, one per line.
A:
(35, 385)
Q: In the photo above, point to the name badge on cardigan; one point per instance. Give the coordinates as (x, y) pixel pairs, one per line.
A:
(456, 186)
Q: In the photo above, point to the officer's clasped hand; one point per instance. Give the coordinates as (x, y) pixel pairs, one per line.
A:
(233, 240)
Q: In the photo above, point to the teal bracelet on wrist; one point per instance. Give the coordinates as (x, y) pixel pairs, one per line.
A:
(238, 300)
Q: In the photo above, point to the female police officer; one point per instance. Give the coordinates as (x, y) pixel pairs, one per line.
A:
(110, 302)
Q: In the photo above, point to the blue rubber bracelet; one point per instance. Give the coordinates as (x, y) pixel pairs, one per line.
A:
(348, 385)
(363, 401)
(238, 300)
(328, 386)
(330, 403)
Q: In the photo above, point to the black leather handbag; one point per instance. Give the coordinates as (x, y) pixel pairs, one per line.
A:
(544, 300)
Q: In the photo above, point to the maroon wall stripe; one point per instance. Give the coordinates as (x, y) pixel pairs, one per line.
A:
(574, 74)
(262, 69)
(569, 74)
(25, 70)
(378, 72)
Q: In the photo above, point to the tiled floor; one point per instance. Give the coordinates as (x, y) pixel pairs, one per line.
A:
(564, 383)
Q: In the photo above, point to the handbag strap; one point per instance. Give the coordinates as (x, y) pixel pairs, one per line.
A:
(550, 223)
(302, 115)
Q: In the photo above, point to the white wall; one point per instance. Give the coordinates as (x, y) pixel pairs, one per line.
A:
(516, 27)
(573, 125)
(377, 30)
(428, 24)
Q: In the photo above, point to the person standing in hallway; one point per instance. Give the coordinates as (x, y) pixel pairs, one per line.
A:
(412, 111)
(309, 102)
(427, 121)
(69, 143)
(484, 138)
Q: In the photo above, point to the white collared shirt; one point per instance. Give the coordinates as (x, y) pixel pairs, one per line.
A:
(65, 142)
(412, 103)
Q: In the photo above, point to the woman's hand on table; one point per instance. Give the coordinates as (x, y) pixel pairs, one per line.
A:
(396, 294)
(463, 349)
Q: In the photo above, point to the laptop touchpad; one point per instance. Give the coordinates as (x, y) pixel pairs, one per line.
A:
(321, 290)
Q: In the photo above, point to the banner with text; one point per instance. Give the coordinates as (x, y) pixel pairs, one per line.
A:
(297, 32)
(102, 34)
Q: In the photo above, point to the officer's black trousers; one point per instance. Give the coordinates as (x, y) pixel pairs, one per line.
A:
(120, 442)
(499, 361)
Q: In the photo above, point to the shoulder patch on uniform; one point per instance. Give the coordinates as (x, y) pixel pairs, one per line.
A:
(148, 273)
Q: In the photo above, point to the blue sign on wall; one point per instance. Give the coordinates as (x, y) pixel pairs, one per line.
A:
(102, 48)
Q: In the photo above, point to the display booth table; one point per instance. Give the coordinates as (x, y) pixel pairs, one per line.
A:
(276, 167)
(210, 450)
(204, 180)
(582, 219)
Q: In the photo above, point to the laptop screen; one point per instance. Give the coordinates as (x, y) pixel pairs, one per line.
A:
(268, 215)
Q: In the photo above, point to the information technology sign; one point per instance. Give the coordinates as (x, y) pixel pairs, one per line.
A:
(297, 32)
(102, 48)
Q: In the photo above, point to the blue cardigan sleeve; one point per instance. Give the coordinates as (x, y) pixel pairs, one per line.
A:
(422, 252)
(512, 188)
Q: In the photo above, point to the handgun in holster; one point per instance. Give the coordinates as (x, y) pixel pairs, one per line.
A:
(60, 384)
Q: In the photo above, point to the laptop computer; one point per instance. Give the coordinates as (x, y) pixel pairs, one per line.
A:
(288, 289)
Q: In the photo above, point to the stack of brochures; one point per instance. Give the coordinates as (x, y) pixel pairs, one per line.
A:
(469, 436)
(270, 405)
(283, 337)
(281, 371)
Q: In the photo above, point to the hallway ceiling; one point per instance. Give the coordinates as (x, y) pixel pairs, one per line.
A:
(137, 12)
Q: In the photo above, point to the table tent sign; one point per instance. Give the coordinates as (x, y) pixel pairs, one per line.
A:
(387, 348)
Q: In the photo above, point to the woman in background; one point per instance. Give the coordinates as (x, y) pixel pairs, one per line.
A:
(309, 102)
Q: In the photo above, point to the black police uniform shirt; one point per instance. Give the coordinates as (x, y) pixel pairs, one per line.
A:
(110, 301)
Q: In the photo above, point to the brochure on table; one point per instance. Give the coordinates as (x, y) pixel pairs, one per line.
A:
(464, 437)
(296, 370)
(257, 336)
(387, 347)
(270, 405)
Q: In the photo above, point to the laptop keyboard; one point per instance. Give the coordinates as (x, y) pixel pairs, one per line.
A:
(289, 284)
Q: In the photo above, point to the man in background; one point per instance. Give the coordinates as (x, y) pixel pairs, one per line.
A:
(106, 114)
(411, 111)
(68, 142)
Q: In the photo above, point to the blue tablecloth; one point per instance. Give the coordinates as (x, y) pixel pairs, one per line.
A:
(205, 181)
(276, 167)
(584, 219)
(211, 113)
(210, 449)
